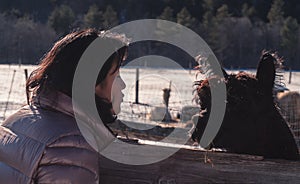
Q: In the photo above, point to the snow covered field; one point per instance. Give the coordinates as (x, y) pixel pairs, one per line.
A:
(151, 82)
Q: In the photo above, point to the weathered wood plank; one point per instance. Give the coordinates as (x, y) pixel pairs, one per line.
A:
(191, 166)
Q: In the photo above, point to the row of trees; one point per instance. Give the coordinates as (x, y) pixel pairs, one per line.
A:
(24, 40)
(63, 18)
(236, 31)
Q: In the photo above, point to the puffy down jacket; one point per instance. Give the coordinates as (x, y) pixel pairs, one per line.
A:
(44, 146)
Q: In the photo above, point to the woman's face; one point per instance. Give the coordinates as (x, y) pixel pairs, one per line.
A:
(111, 89)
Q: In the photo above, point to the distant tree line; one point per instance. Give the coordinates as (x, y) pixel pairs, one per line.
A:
(237, 31)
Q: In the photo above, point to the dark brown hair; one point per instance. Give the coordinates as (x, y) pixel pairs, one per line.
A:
(252, 123)
(56, 69)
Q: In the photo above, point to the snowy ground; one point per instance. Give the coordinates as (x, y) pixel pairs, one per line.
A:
(151, 82)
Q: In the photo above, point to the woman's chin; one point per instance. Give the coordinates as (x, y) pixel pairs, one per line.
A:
(117, 110)
(117, 106)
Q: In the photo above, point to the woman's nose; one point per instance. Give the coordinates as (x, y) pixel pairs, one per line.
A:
(122, 83)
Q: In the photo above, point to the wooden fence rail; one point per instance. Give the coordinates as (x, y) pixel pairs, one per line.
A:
(191, 166)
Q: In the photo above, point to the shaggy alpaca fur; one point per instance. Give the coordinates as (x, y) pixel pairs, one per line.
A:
(252, 123)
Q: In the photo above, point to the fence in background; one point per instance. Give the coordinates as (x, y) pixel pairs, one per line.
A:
(12, 88)
(289, 105)
(151, 83)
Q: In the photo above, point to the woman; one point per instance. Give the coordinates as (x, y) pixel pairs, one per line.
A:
(41, 143)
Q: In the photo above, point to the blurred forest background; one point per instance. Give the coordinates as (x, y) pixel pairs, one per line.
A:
(237, 31)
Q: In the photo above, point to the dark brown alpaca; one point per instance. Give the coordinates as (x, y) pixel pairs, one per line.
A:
(252, 123)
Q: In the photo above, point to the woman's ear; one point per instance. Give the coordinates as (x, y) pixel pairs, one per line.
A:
(266, 72)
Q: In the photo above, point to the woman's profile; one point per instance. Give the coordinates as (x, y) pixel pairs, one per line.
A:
(41, 142)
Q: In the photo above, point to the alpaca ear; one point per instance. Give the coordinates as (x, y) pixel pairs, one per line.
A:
(266, 72)
(224, 73)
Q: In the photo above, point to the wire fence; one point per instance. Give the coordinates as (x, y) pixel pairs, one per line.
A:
(289, 104)
(151, 85)
(12, 88)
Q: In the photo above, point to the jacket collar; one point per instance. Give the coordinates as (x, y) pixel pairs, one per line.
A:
(55, 100)
(94, 130)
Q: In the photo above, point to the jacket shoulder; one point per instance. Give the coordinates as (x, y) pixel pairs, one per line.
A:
(44, 126)
(51, 144)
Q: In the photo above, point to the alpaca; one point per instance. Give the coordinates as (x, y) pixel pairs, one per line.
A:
(252, 123)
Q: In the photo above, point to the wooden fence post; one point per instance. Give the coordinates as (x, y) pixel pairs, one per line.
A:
(26, 77)
(290, 76)
(137, 86)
